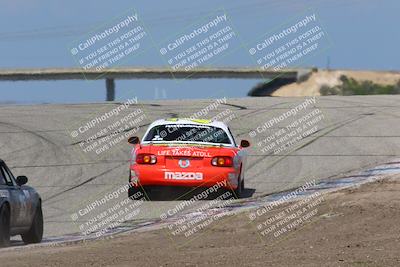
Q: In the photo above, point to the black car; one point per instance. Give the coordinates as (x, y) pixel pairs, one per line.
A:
(20, 209)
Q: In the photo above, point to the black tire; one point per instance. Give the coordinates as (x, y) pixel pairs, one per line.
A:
(132, 191)
(238, 192)
(35, 233)
(4, 226)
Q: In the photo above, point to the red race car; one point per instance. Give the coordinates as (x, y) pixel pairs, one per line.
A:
(187, 153)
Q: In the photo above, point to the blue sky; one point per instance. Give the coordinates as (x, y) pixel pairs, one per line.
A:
(37, 34)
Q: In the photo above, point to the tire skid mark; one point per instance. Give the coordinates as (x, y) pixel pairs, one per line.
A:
(69, 165)
(84, 182)
(235, 106)
(328, 129)
(258, 110)
(34, 133)
(107, 135)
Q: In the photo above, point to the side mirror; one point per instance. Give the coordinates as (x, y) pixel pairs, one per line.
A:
(133, 140)
(21, 180)
(244, 143)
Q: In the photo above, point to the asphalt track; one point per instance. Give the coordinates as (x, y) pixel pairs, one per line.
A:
(35, 140)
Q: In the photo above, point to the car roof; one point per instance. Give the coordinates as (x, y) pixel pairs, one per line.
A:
(218, 124)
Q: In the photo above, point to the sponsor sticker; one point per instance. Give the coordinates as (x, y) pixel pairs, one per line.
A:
(183, 176)
(183, 153)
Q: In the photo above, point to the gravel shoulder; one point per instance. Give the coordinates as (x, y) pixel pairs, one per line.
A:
(353, 227)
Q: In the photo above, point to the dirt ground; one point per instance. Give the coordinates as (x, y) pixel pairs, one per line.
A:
(353, 227)
(312, 86)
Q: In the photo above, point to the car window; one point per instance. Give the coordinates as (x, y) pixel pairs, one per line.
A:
(6, 176)
(188, 133)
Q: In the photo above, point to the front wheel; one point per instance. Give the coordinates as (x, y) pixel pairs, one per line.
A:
(4, 226)
(35, 233)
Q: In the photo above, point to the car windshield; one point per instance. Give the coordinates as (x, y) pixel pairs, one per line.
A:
(187, 133)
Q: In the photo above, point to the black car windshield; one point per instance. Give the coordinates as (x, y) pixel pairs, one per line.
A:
(187, 133)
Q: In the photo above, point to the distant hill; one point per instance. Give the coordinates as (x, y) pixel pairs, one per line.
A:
(332, 78)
